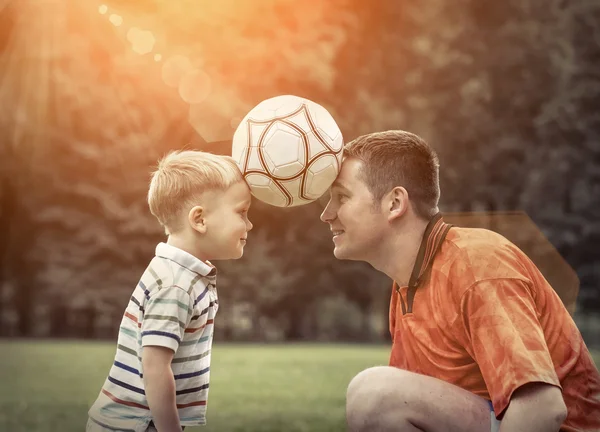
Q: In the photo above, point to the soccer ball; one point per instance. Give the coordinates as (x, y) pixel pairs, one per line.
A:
(289, 150)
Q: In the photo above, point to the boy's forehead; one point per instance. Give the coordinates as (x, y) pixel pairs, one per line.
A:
(240, 192)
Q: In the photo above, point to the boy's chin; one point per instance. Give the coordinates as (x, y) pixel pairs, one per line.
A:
(231, 256)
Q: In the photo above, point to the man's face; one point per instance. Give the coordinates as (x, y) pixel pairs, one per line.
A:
(356, 221)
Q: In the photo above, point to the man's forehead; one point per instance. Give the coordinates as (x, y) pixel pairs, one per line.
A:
(348, 174)
(340, 184)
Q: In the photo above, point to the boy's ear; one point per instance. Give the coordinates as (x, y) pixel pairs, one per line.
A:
(397, 203)
(196, 218)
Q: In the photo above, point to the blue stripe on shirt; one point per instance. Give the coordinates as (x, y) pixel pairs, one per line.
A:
(127, 368)
(160, 333)
(205, 310)
(192, 374)
(142, 286)
(125, 385)
(201, 296)
(192, 390)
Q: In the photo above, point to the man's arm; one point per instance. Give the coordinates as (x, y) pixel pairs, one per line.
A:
(160, 388)
(535, 407)
(507, 341)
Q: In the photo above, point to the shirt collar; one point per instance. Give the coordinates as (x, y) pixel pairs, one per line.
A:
(185, 259)
(434, 236)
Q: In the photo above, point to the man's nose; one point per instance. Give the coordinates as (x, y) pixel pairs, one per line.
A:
(326, 216)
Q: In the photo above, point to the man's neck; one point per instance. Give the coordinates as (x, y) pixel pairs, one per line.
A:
(398, 256)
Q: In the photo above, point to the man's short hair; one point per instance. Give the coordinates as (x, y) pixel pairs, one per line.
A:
(399, 158)
(181, 177)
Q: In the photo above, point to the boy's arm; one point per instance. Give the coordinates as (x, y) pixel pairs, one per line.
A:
(160, 388)
(167, 313)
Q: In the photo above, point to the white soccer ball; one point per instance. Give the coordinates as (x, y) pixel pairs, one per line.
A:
(289, 150)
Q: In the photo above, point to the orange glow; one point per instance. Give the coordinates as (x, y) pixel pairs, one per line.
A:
(142, 41)
(174, 69)
(116, 20)
(194, 87)
(217, 58)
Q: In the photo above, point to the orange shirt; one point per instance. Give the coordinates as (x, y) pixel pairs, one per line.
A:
(481, 316)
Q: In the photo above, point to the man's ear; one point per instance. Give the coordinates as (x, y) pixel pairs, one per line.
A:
(397, 203)
(196, 218)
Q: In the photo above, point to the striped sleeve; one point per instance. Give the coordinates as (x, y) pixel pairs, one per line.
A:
(166, 315)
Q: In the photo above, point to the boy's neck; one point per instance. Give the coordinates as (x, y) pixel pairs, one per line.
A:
(185, 245)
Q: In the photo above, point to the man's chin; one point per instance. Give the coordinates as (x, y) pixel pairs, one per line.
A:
(340, 254)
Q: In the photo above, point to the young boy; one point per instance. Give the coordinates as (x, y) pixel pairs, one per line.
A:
(160, 376)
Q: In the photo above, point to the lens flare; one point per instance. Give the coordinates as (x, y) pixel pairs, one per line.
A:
(195, 86)
(116, 20)
(142, 41)
(174, 69)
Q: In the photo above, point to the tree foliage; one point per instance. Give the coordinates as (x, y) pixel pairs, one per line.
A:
(505, 92)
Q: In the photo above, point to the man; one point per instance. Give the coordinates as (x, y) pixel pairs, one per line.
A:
(480, 339)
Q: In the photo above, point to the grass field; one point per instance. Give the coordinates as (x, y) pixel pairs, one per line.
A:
(48, 386)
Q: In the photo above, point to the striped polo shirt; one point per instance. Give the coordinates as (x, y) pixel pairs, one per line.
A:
(174, 306)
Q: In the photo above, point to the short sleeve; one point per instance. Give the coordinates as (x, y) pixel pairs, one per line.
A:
(506, 338)
(166, 315)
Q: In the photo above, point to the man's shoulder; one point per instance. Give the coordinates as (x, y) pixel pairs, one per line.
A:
(476, 239)
(469, 255)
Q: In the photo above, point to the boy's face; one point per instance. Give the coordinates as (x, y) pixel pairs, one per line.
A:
(227, 223)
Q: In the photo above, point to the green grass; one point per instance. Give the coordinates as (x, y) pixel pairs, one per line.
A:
(49, 386)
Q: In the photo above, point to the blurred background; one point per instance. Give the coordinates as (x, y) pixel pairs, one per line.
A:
(93, 93)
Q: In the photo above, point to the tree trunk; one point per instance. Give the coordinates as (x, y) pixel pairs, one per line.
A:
(294, 329)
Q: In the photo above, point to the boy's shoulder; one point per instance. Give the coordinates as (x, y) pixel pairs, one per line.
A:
(165, 273)
(159, 272)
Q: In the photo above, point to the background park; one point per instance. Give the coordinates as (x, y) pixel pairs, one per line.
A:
(92, 93)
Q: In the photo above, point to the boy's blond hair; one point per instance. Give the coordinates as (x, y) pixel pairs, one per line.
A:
(181, 177)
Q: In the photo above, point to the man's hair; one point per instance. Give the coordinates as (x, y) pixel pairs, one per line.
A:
(181, 177)
(398, 158)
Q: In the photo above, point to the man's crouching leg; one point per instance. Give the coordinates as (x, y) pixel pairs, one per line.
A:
(387, 399)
